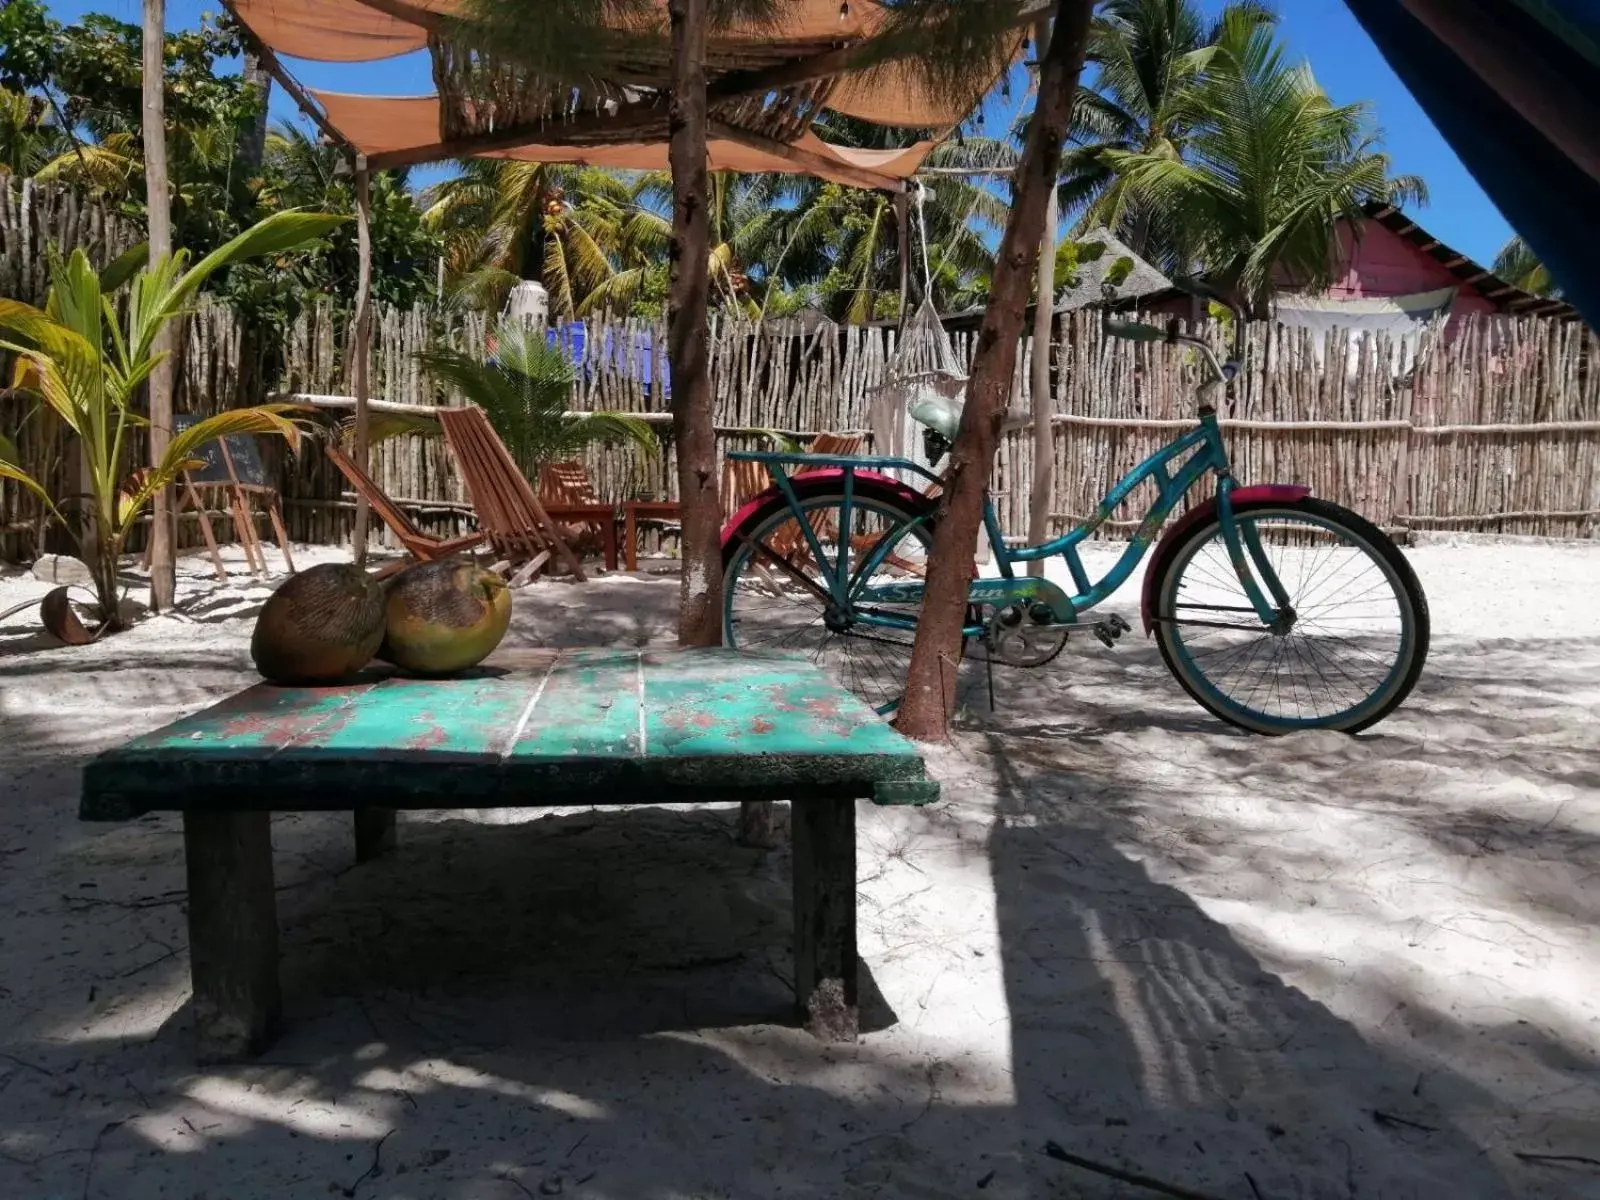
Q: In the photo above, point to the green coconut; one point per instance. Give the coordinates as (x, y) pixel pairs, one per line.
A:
(444, 616)
(321, 625)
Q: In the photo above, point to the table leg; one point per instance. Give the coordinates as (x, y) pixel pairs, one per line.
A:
(758, 823)
(630, 537)
(824, 836)
(608, 531)
(374, 833)
(233, 932)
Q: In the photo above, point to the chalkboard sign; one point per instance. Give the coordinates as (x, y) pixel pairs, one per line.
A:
(242, 448)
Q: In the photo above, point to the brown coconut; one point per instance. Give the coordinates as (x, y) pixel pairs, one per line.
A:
(444, 616)
(321, 625)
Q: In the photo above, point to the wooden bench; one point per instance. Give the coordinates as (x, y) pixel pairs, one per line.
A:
(526, 729)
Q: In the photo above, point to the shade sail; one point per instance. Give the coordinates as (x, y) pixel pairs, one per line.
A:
(888, 94)
(379, 124)
(1514, 87)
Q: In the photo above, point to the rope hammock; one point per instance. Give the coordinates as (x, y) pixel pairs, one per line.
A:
(923, 367)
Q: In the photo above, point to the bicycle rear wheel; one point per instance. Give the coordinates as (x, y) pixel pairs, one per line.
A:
(1350, 649)
(776, 598)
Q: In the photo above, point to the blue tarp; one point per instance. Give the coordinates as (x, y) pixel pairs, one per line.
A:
(1514, 87)
(614, 354)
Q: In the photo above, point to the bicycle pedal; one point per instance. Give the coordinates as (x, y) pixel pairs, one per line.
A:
(1109, 631)
(1118, 624)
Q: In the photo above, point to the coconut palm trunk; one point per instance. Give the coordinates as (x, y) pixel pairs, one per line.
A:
(163, 573)
(931, 683)
(700, 598)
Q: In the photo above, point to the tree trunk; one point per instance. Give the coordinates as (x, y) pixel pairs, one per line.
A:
(931, 683)
(362, 333)
(700, 597)
(1044, 444)
(163, 573)
(253, 142)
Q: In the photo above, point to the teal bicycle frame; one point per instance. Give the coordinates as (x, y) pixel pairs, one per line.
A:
(849, 590)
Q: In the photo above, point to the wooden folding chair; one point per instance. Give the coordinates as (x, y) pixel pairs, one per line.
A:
(509, 512)
(422, 546)
(567, 485)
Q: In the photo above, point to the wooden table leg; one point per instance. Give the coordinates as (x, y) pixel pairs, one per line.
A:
(608, 531)
(374, 832)
(824, 836)
(233, 933)
(630, 537)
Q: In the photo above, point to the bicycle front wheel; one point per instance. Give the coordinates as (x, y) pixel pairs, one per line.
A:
(1353, 639)
(775, 597)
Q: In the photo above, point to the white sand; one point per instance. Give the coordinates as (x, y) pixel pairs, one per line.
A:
(1126, 929)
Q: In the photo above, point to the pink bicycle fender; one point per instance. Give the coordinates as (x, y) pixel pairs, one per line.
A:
(1283, 493)
(903, 492)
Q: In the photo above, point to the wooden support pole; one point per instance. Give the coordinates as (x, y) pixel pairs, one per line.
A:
(1044, 447)
(700, 597)
(233, 932)
(362, 332)
(902, 221)
(936, 655)
(825, 964)
(374, 833)
(163, 568)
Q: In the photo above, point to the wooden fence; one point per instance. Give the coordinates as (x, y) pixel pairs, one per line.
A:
(1497, 430)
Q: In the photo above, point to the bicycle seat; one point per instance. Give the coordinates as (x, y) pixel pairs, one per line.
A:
(943, 416)
(938, 414)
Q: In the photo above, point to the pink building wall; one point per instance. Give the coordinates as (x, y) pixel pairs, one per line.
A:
(1382, 263)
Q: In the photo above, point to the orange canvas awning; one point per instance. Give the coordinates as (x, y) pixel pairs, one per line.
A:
(383, 124)
(891, 94)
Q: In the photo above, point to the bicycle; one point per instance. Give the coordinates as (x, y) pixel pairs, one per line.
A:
(1238, 593)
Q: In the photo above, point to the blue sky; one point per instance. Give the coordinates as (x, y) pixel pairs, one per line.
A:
(1321, 31)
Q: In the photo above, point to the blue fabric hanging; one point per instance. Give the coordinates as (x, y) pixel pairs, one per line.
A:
(1514, 87)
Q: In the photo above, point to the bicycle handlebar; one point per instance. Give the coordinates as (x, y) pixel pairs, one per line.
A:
(1139, 331)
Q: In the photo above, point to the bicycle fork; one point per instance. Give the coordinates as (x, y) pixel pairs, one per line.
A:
(1244, 550)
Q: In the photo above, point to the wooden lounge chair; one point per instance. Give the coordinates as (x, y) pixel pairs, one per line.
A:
(419, 545)
(567, 485)
(510, 515)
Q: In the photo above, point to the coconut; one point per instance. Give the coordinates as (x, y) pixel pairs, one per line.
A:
(321, 625)
(444, 616)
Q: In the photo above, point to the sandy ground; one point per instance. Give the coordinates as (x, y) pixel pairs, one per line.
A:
(1272, 970)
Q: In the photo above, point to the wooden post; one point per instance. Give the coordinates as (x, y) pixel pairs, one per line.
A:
(374, 832)
(902, 219)
(233, 932)
(163, 571)
(825, 964)
(1044, 445)
(935, 658)
(700, 594)
(362, 332)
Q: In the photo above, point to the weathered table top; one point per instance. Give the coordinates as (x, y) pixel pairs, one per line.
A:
(525, 729)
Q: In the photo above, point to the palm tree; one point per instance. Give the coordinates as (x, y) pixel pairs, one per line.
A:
(1519, 266)
(1271, 168)
(841, 244)
(504, 220)
(525, 390)
(27, 140)
(1149, 57)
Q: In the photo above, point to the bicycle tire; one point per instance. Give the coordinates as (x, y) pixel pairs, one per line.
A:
(1410, 602)
(877, 676)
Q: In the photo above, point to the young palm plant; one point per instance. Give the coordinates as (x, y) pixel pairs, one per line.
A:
(86, 362)
(525, 390)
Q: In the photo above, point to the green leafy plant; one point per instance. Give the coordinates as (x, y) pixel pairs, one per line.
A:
(525, 389)
(86, 362)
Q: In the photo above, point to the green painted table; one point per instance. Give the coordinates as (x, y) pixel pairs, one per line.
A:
(526, 729)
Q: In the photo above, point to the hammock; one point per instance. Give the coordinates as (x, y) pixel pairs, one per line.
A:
(923, 368)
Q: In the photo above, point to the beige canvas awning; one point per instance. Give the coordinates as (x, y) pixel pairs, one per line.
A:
(379, 125)
(766, 85)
